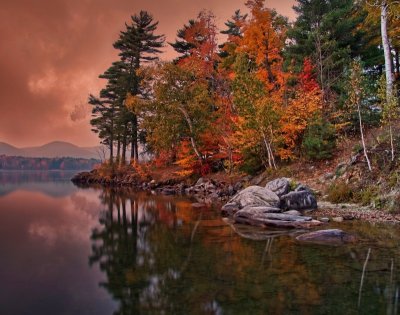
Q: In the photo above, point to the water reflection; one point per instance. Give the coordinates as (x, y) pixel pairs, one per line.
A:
(161, 256)
(158, 255)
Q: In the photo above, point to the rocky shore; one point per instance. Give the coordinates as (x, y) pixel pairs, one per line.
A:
(208, 191)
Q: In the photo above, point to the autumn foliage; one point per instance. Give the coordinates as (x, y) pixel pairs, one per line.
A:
(257, 96)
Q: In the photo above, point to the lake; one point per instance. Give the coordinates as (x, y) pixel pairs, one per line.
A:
(70, 250)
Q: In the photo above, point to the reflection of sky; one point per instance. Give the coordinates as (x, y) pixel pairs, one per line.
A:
(45, 244)
(51, 183)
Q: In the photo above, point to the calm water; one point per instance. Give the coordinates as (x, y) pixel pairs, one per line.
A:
(67, 250)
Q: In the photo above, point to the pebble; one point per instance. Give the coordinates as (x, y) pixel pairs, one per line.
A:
(337, 219)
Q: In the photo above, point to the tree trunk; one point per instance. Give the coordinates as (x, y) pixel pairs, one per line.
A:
(391, 140)
(192, 141)
(124, 144)
(362, 137)
(386, 50)
(397, 57)
(134, 141)
(118, 149)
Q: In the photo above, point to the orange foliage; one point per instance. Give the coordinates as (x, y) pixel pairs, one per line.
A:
(263, 40)
(307, 101)
(202, 34)
(186, 159)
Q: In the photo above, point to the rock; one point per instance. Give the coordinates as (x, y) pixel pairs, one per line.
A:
(301, 187)
(260, 210)
(324, 219)
(279, 186)
(259, 213)
(213, 196)
(264, 222)
(238, 186)
(298, 200)
(292, 212)
(255, 196)
(229, 209)
(199, 181)
(332, 237)
(168, 191)
(337, 219)
(258, 179)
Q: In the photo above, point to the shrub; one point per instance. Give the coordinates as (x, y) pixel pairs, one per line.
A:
(319, 140)
(340, 192)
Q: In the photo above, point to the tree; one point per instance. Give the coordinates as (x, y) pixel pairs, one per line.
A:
(356, 95)
(263, 40)
(327, 33)
(180, 110)
(301, 109)
(197, 45)
(257, 111)
(235, 33)
(138, 44)
(390, 109)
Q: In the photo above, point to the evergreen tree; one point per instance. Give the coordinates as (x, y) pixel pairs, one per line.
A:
(325, 31)
(137, 45)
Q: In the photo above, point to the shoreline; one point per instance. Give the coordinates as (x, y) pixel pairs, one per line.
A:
(209, 191)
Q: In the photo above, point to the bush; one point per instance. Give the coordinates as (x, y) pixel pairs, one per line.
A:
(252, 164)
(340, 192)
(319, 140)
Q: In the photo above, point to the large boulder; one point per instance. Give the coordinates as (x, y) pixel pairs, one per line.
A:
(254, 196)
(280, 186)
(330, 237)
(298, 200)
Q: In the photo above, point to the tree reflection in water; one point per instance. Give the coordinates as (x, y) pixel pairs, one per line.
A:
(161, 256)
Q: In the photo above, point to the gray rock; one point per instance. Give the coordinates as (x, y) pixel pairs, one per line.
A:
(213, 196)
(229, 209)
(260, 210)
(324, 219)
(292, 212)
(279, 186)
(301, 187)
(199, 181)
(331, 237)
(255, 196)
(337, 219)
(298, 200)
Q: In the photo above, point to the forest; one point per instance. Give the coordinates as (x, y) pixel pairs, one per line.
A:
(260, 93)
(44, 164)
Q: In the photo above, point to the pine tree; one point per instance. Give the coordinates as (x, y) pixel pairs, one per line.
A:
(327, 33)
(137, 45)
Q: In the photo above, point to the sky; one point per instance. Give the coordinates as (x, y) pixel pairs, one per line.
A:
(52, 52)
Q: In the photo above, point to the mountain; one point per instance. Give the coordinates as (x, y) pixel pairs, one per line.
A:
(8, 149)
(51, 150)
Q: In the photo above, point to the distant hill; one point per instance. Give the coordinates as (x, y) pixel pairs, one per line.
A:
(8, 149)
(51, 150)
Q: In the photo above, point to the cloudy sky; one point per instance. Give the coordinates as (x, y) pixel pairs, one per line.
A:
(52, 52)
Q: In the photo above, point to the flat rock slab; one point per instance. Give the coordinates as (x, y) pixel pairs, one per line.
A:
(285, 224)
(329, 237)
